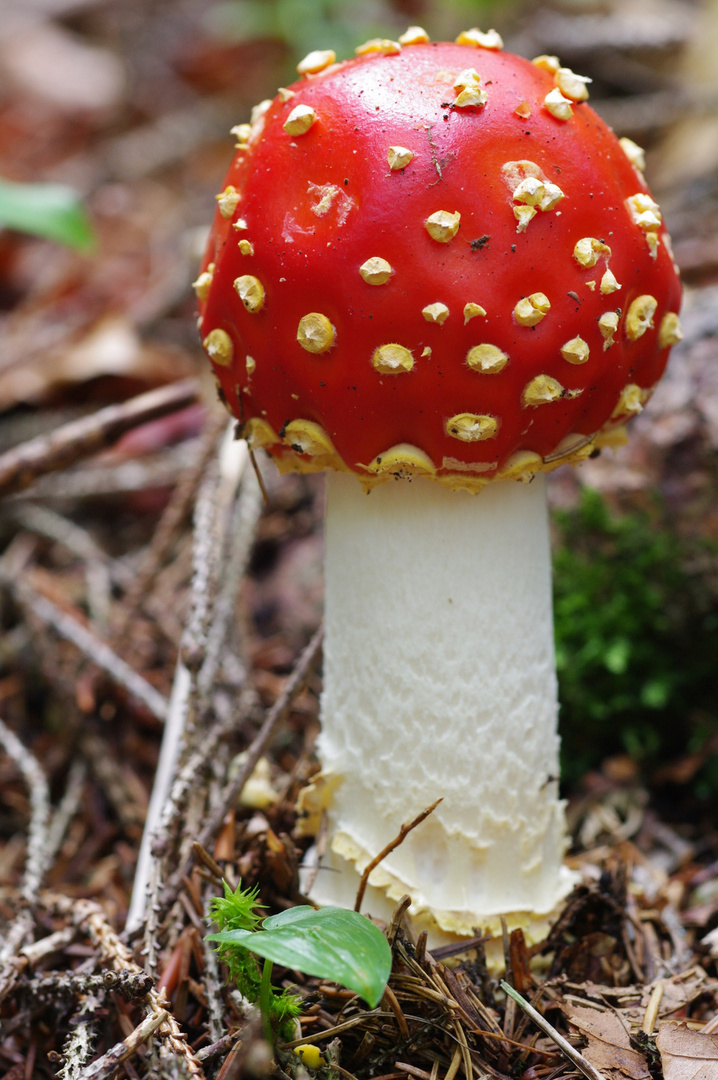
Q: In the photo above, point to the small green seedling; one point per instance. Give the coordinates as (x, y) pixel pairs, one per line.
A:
(53, 211)
(330, 943)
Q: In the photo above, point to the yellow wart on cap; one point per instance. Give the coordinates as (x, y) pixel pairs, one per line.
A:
(219, 348)
(443, 225)
(436, 313)
(571, 85)
(471, 427)
(472, 95)
(385, 46)
(530, 310)
(576, 351)
(403, 460)
(640, 316)
(316, 61)
(227, 201)
(250, 291)
(522, 466)
(250, 365)
(635, 153)
(488, 359)
(589, 250)
(392, 359)
(376, 271)
(240, 225)
(246, 247)
(300, 120)
(315, 333)
(541, 390)
(608, 325)
(609, 284)
(415, 35)
(307, 437)
(559, 106)
(399, 157)
(547, 63)
(241, 133)
(202, 285)
(670, 332)
(489, 40)
(631, 401)
(471, 311)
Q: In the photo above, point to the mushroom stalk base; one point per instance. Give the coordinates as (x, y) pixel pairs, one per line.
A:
(439, 682)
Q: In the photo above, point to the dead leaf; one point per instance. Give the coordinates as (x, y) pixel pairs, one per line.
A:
(609, 1046)
(687, 1054)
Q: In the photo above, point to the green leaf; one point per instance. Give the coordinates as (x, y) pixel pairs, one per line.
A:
(331, 943)
(52, 211)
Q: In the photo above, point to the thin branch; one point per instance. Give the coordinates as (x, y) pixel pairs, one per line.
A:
(90, 645)
(37, 858)
(231, 793)
(584, 1066)
(89, 918)
(399, 839)
(23, 464)
(217, 493)
(105, 1066)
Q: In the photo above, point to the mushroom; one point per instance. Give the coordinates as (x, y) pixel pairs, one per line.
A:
(436, 273)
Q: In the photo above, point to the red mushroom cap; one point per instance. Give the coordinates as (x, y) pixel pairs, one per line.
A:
(435, 259)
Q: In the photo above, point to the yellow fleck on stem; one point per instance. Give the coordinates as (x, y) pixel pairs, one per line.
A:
(315, 333)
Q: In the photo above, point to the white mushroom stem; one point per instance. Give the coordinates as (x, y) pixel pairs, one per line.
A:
(439, 681)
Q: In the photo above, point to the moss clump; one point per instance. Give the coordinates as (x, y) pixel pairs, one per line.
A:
(636, 615)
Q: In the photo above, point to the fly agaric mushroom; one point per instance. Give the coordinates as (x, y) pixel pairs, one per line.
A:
(435, 264)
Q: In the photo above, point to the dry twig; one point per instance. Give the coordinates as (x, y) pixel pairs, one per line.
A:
(23, 464)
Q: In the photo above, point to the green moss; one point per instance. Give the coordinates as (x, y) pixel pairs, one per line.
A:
(636, 615)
